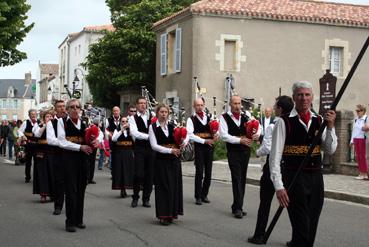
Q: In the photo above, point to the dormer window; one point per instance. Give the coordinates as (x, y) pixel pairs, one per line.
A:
(11, 92)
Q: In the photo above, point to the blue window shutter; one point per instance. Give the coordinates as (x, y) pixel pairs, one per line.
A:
(178, 50)
(163, 54)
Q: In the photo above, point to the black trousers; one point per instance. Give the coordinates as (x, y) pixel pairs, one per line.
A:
(3, 145)
(306, 203)
(238, 161)
(45, 174)
(143, 172)
(75, 177)
(59, 185)
(91, 165)
(204, 165)
(30, 154)
(266, 196)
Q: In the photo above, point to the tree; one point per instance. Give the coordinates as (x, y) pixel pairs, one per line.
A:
(125, 59)
(13, 30)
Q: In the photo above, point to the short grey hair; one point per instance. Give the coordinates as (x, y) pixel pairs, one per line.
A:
(71, 101)
(301, 84)
(31, 110)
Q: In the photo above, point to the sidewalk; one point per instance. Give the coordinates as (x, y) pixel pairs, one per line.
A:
(339, 187)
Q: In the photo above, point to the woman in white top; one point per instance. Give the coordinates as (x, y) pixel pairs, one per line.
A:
(358, 140)
(167, 167)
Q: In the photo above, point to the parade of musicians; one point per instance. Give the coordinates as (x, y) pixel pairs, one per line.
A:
(185, 123)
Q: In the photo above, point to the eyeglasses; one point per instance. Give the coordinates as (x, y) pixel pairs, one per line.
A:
(74, 107)
(124, 121)
(132, 111)
(359, 110)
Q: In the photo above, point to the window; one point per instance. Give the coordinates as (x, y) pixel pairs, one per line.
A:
(171, 52)
(10, 103)
(229, 55)
(336, 60)
(4, 117)
(15, 104)
(5, 105)
(15, 117)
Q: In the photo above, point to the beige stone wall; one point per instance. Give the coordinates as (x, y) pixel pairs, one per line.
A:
(272, 55)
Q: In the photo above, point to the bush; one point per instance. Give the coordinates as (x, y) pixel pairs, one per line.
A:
(220, 150)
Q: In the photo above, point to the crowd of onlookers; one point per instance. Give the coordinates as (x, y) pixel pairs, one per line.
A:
(8, 137)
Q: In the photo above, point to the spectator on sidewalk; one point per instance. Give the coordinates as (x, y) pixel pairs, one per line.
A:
(11, 139)
(358, 140)
(4, 136)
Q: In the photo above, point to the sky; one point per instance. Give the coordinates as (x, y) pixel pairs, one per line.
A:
(54, 20)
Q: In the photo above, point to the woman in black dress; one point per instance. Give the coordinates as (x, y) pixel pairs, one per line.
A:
(167, 168)
(122, 165)
(43, 182)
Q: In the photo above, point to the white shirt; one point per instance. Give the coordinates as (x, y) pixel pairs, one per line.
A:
(63, 143)
(50, 134)
(266, 145)
(38, 131)
(133, 127)
(154, 144)
(117, 134)
(357, 129)
(223, 130)
(329, 145)
(22, 128)
(190, 128)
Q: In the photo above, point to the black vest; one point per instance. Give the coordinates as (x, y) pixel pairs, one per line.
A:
(201, 130)
(298, 142)
(28, 131)
(112, 125)
(142, 128)
(54, 122)
(73, 134)
(165, 141)
(124, 142)
(235, 130)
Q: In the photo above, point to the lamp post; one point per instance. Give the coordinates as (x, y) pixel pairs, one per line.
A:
(74, 93)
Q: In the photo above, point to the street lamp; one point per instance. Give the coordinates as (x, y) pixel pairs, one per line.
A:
(76, 94)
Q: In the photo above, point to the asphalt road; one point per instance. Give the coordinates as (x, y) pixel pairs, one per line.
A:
(112, 222)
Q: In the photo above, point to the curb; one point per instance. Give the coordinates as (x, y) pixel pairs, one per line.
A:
(331, 194)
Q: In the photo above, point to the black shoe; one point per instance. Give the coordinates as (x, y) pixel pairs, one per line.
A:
(134, 203)
(57, 211)
(81, 226)
(70, 228)
(289, 243)
(27, 180)
(256, 240)
(92, 182)
(164, 222)
(146, 204)
(238, 214)
(244, 213)
(205, 200)
(123, 193)
(198, 202)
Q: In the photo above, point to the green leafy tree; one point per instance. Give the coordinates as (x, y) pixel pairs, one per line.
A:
(125, 59)
(13, 30)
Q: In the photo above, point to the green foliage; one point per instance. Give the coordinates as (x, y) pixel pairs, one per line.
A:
(13, 30)
(125, 59)
(220, 150)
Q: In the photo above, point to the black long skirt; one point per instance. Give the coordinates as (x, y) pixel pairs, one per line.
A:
(168, 188)
(43, 175)
(122, 169)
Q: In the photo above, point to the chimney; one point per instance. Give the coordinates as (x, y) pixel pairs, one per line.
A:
(27, 78)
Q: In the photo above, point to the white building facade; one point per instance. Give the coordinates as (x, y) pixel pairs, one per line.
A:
(72, 53)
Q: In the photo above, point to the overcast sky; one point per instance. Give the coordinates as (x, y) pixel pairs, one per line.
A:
(53, 21)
